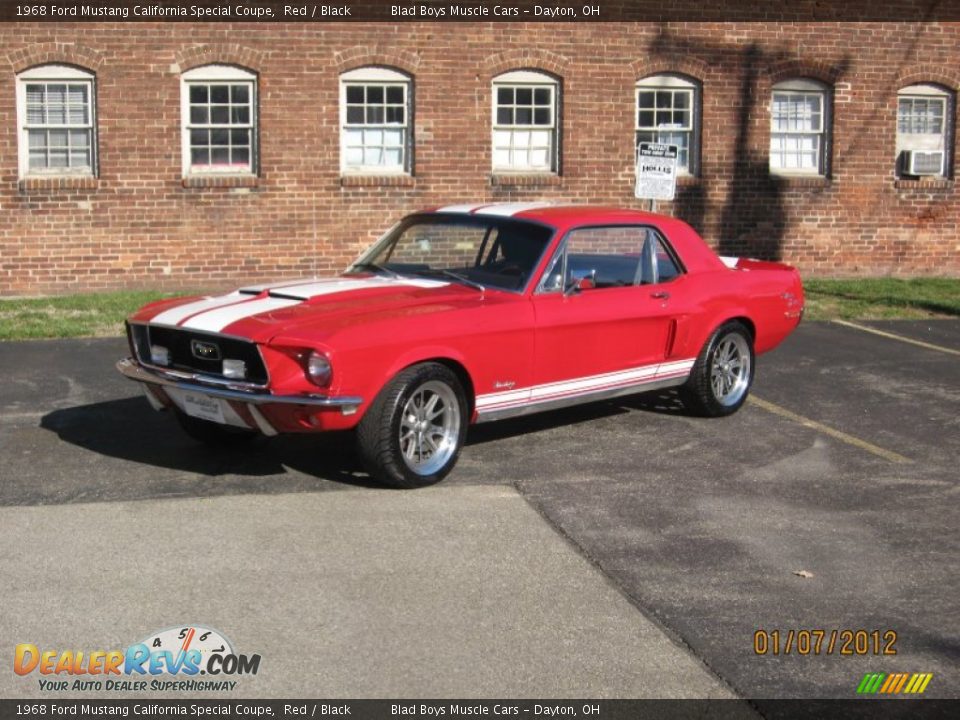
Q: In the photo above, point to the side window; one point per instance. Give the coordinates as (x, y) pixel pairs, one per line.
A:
(609, 257)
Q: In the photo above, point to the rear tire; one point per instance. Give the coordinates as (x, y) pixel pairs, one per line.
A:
(211, 433)
(412, 434)
(723, 373)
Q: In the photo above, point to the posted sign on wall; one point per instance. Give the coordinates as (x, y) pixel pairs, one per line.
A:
(656, 171)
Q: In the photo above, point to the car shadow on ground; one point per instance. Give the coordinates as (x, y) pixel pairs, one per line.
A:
(129, 430)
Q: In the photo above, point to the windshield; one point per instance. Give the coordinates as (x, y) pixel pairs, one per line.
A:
(476, 250)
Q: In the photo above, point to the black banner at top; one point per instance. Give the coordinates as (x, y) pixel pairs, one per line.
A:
(504, 11)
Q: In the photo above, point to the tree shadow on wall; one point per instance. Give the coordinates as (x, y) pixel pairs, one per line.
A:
(753, 220)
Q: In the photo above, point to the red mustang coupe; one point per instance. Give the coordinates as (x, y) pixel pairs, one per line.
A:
(465, 314)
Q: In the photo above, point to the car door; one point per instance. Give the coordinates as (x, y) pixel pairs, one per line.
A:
(603, 317)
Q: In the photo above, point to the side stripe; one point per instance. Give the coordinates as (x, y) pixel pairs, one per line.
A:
(568, 388)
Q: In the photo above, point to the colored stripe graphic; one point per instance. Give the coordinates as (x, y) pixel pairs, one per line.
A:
(894, 683)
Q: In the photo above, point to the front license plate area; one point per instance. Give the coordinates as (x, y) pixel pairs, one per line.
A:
(203, 407)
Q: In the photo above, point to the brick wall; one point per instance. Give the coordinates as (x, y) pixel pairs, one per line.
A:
(140, 225)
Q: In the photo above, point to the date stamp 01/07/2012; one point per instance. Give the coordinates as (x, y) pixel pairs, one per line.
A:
(842, 642)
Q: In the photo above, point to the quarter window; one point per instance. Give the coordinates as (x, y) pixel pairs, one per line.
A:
(219, 120)
(55, 109)
(375, 120)
(667, 112)
(525, 122)
(798, 128)
(924, 122)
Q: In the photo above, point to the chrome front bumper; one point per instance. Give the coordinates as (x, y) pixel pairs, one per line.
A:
(229, 390)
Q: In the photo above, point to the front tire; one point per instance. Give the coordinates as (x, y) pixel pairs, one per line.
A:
(723, 373)
(412, 434)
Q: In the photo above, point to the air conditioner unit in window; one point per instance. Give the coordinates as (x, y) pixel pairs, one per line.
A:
(923, 162)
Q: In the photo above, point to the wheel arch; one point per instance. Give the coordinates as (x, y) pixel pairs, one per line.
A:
(448, 358)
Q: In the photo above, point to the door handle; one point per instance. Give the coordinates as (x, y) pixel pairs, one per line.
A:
(660, 295)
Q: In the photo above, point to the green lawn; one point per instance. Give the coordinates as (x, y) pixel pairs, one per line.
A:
(90, 315)
(102, 314)
(882, 298)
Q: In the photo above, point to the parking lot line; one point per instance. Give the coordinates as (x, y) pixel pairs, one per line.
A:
(894, 336)
(827, 430)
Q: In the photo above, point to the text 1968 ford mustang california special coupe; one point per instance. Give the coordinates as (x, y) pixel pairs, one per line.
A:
(463, 314)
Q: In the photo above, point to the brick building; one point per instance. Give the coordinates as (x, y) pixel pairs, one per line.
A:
(183, 155)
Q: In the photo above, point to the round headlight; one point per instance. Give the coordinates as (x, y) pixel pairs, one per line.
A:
(318, 369)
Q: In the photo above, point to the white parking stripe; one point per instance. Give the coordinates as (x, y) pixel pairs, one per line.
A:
(894, 336)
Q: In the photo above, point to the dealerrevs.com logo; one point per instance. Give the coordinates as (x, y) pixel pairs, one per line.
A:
(171, 659)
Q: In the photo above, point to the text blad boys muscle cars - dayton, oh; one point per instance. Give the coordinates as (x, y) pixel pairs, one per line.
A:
(466, 314)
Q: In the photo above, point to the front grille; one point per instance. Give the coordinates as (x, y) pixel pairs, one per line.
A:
(178, 342)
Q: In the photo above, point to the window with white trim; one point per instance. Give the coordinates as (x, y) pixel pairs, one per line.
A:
(56, 121)
(375, 121)
(799, 123)
(924, 123)
(525, 122)
(219, 120)
(667, 111)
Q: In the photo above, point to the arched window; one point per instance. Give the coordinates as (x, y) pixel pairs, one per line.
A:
(924, 125)
(375, 121)
(218, 110)
(525, 122)
(56, 121)
(668, 112)
(799, 128)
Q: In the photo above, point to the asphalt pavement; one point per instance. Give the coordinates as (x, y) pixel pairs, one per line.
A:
(621, 549)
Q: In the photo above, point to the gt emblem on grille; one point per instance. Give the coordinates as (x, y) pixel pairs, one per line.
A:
(204, 350)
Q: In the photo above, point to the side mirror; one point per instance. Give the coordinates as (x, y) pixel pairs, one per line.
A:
(585, 282)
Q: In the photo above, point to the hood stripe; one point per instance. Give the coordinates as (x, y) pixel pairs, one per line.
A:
(215, 314)
(216, 320)
(178, 314)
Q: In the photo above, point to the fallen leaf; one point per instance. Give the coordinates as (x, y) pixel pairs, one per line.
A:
(803, 573)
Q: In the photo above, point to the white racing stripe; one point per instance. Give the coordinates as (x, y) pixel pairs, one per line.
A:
(336, 285)
(214, 314)
(538, 393)
(509, 209)
(182, 312)
(460, 208)
(216, 320)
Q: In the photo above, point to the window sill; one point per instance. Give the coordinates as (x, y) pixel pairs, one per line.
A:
(525, 180)
(59, 182)
(932, 183)
(800, 181)
(377, 181)
(221, 181)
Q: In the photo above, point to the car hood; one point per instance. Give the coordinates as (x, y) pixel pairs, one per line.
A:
(316, 307)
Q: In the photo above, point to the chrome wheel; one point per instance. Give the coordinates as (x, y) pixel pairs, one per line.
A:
(730, 369)
(429, 427)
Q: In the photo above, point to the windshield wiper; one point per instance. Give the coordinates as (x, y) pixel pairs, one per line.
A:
(455, 276)
(379, 269)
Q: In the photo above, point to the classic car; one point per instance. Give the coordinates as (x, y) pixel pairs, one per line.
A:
(466, 314)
